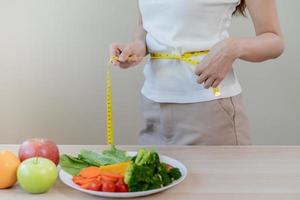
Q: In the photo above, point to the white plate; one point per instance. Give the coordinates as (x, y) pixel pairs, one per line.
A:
(67, 179)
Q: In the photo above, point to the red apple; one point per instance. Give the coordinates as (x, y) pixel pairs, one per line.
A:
(39, 148)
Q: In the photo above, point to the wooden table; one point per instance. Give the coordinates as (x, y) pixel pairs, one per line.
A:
(215, 173)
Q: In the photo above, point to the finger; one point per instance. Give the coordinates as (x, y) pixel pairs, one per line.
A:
(125, 54)
(203, 77)
(216, 83)
(116, 63)
(208, 83)
(199, 70)
(130, 63)
(133, 58)
(125, 65)
(136, 62)
(115, 49)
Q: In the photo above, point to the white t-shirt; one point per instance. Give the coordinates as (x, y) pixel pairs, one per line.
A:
(179, 26)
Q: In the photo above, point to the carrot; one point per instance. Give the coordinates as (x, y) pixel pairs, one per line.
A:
(105, 175)
(85, 186)
(83, 181)
(90, 172)
(109, 179)
(75, 179)
(99, 178)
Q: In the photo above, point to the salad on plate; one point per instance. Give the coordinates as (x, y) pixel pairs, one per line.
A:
(114, 170)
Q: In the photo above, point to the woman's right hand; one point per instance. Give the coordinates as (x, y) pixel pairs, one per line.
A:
(129, 55)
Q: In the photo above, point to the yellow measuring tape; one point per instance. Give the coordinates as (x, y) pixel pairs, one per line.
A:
(109, 112)
(187, 57)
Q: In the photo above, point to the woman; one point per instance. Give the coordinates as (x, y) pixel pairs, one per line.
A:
(179, 103)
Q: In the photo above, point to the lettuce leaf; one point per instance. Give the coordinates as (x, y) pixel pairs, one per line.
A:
(86, 158)
(71, 164)
(107, 157)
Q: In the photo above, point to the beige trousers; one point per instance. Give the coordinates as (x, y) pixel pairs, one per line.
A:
(217, 122)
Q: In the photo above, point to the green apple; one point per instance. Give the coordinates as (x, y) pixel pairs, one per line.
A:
(37, 175)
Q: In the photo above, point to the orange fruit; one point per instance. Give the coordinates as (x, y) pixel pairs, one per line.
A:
(9, 164)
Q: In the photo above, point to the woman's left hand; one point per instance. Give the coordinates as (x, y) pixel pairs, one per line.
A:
(215, 66)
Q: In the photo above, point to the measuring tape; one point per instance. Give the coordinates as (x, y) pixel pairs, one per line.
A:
(109, 112)
(186, 57)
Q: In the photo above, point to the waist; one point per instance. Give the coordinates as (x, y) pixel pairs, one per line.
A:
(186, 57)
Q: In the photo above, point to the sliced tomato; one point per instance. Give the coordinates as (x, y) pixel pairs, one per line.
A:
(95, 185)
(168, 167)
(108, 187)
(121, 186)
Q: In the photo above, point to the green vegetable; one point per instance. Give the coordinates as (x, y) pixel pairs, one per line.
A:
(108, 157)
(166, 179)
(149, 158)
(116, 155)
(142, 174)
(138, 177)
(174, 173)
(72, 165)
(147, 172)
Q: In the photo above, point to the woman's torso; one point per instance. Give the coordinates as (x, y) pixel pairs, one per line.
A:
(179, 26)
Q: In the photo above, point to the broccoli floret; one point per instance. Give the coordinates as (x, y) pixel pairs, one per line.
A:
(146, 172)
(155, 182)
(150, 158)
(162, 170)
(143, 174)
(133, 158)
(140, 156)
(140, 178)
(175, 173)
(139, 187)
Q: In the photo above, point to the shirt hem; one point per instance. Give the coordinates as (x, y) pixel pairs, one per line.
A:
(190, 97)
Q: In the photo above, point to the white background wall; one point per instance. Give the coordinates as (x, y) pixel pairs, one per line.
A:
(53, 56)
